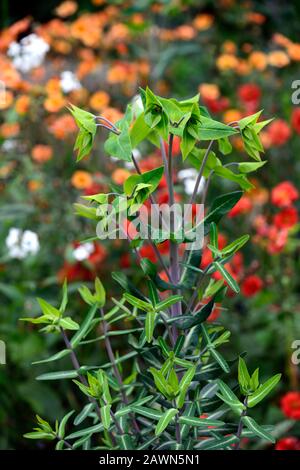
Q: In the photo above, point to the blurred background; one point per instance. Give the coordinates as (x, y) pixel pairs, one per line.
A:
(242, 56)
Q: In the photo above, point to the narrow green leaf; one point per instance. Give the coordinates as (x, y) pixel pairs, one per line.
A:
(263, 390)
(149, 325)
(228, 278)
(164, 304)
(258, 430)
(105, 416)
(62, 425)
(243, 375)
(165, 420)
(199, 422)
(84, 328)
(65, 374)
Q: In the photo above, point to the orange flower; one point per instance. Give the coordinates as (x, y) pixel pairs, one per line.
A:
(293, 51)
(34, 185)
(87, 29)
(281, 40)
(9, 129)
(41, 153)
(209, 91)
(257, 18)
(258, 60)
(61, 46)
(99, 100)
(258, 196)
(66, 8)
(203, 21)
(22, 104)
(112, 114)
(278, 59)
(185, 32)
(122, 72)
(232, 115)
(229, 47)
(6, 99)
(120, 175)
(81, 179)
(137, 19)
(6, 170)
(243, 68)
(227, 62)
(8, 74)
(63, 126)
(54, 103)
(53, 86)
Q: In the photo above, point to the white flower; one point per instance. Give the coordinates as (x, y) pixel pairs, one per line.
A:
(29, 53)
(189, 176)
(21, 244)
(69, 82)
(187, 173)
(137, 155)
(9, 145)
(83, 251)
(13, 237)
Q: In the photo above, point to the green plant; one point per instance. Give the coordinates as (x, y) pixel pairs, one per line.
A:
(164, 390)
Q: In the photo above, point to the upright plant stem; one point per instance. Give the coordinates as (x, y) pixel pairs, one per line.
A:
(176, 309)
(112, 359)
(195, 191)
(153, 202)
(177, 427)
(240, 427)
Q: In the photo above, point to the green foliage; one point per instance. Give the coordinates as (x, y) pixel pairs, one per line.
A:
(152, 393)
(87, 131)
(53, 317)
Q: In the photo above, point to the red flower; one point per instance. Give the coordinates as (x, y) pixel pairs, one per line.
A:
(277, 239)
(249, 93)
(284, 194)
(288, 443)
(216, 105)
(74, 272)
(290, 405)
(175, 146)
(94, 188)
(286, 218)
(207, 255)
(125, 261)
(146, 251)
(163, 197)
(296, 120)
(279, 132)
(243, 206)
(215, 313)
(251, 285)
(98, 255)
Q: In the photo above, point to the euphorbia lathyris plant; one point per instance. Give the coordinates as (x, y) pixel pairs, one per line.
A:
(168, 389)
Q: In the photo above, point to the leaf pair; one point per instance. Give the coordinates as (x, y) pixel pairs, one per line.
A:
(52, 317)
(87, 130)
